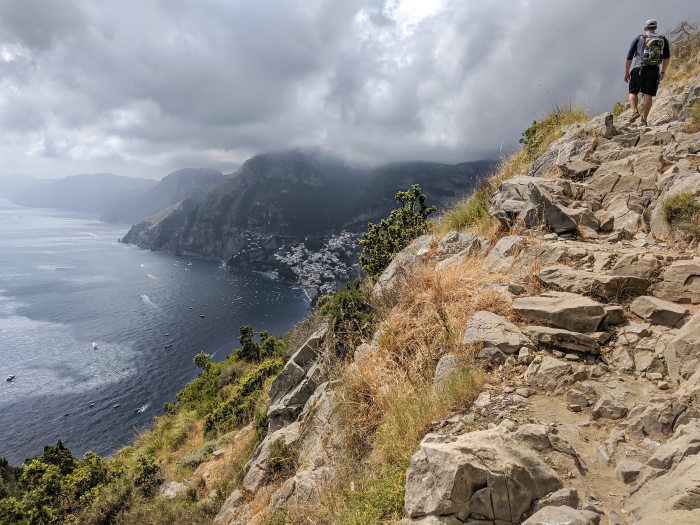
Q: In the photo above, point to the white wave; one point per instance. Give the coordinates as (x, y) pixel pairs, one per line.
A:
(145, 298)
(143, 265)
(151, 276)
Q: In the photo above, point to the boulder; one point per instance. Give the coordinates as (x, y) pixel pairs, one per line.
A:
(622, 360)
(507, 251)
(657, 311)
(576, 169)
(486, 475)
(609, 407)
(562, 309)
(636, 265)
(547, 372)
(230, 510)
(255, 468)
(297, 381)
(534, 435)
(557, 516)
(614, 315)
(454, 243)
(602, 125)
(562, 339)
(628, 471)
(567, 497)
(680, 282)
(302, 490)
(684, 442)
(415, 255)
(446, 366)
(172, 489)
(494, 331)
(683, 353)
(601, 285)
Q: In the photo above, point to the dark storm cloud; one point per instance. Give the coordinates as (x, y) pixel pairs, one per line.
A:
(143, 87)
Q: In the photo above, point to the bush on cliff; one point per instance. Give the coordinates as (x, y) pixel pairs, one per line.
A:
(383, 241)
(349, 314)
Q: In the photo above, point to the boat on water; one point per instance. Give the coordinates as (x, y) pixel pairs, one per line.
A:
(10, 377)
(143, 408)
(94, 346)
(116, 406)
(201, 315)
(167, 346)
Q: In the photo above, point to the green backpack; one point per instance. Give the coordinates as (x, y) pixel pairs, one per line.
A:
(653, 50)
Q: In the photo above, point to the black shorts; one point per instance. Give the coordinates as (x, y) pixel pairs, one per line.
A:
(647, 82)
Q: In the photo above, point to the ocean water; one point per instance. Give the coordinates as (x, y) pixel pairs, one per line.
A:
(65, 282)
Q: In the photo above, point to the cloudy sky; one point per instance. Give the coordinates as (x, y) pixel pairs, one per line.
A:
(144, 87)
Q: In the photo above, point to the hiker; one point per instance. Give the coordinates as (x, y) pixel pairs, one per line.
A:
(647, 52)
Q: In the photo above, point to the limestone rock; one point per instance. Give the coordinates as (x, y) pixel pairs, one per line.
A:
(230, 509)
(685, 442)
(636, 265)
(562, 309)
(601, 285)
(680, 282)
(416, 254)
(628, 471)
(567, 497)
(493, 331)
(255, 468)
(303, 489)
(172, 490)
(622, 360)
(614, 315)
(534, 435)
(447, 365)
(489, 473)
(657, 311)
(562, 339)
(609, 407)
(297, 381)
(506, 252)
(683, 353)
(557, 516)
(547, 372)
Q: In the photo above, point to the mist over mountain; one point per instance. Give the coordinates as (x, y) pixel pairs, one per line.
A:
(87, 192)
(170, 190)
(13, 185)
(294, 201)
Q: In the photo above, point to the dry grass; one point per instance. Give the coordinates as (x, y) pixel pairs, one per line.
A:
(389, 401)
(685, 46)
(471, 212)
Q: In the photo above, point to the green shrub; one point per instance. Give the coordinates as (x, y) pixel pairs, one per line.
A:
(383, 241)
(617, 109)
(252, 351)
(146, 475)
(201, 359)
(241, 405)
(348, 312)
(282, 463)
(195, 457)
(201, 394)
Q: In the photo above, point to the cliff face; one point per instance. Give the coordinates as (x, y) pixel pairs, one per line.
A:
(583, 319)
(170, 190)
(281, 204)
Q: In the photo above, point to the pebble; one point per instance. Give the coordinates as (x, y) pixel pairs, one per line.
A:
(575, 408)
(663, 385)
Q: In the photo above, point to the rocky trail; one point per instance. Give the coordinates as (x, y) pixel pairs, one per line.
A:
(591, 411)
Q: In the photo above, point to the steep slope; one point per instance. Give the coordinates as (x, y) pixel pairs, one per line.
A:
(87, 192)
(170, 190)
(278, 200)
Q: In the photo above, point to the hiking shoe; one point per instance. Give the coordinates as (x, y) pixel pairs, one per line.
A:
(643, 123)
(634, 116)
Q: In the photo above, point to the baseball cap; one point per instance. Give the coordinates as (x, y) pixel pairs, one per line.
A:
(651, 24)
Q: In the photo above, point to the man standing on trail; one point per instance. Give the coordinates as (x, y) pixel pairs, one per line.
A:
(647, 52)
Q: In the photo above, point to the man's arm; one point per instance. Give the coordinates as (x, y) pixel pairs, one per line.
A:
(666, 56)
(630, 56)
(664, 66)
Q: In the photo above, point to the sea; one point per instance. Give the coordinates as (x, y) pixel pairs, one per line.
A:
(66, 283)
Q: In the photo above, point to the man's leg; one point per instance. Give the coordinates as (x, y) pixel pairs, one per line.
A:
(647, 106)
(633, 99)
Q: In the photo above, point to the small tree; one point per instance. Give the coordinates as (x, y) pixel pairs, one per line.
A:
(383, 241)
(201, 360)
